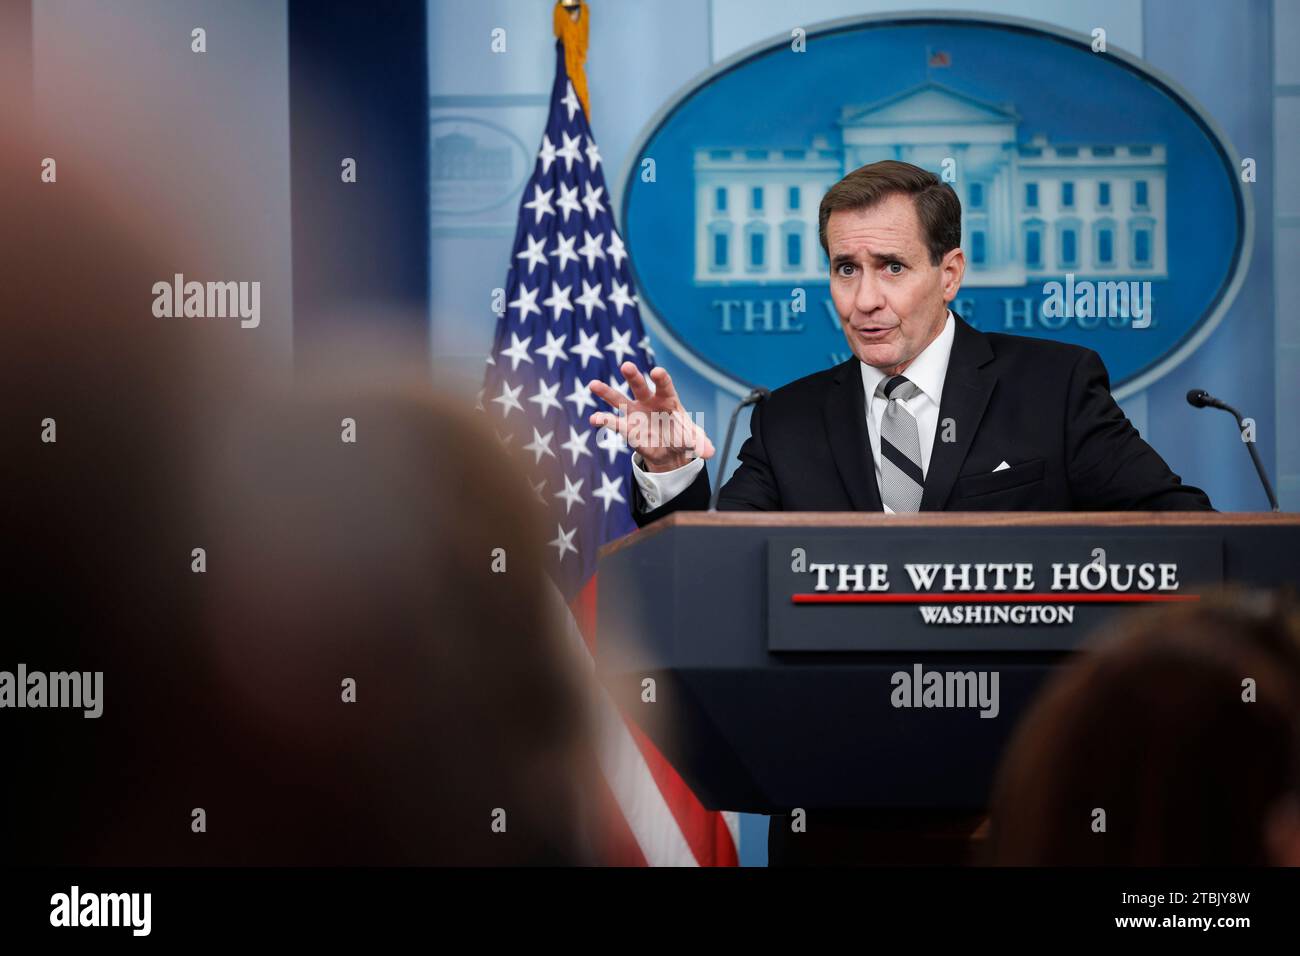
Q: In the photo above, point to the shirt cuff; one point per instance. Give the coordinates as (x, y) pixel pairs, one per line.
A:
(659, 488)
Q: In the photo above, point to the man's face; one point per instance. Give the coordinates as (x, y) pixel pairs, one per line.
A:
(891, 300)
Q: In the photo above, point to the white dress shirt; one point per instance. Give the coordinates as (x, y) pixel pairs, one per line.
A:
(927, 371)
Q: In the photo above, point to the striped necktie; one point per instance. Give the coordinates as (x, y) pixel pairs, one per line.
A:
(901, 478)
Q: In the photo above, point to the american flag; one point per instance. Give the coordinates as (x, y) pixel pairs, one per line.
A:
(571, 315)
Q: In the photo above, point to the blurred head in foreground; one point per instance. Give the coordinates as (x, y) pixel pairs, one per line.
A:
(404, 570)
(351, 676)
(1181, 727)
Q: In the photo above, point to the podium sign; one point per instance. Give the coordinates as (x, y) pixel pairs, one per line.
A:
(1033, 592)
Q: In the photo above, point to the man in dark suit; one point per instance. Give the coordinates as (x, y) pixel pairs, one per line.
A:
(929, 414)
(1042, 408)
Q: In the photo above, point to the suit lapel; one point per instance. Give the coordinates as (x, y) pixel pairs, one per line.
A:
(845, 413)
(966, 391)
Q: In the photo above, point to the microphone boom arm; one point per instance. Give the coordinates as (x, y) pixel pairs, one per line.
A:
(1254, 456)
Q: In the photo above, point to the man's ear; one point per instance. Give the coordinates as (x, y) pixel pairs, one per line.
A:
(953, 268)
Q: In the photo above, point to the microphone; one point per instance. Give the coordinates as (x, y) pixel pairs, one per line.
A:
(1200, 398)
(755, 396)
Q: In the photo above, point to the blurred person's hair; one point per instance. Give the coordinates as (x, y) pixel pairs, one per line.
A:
(412, 563)
(1150, 725)
(325, 561)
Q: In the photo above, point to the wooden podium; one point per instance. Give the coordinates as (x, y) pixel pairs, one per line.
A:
(771, 686)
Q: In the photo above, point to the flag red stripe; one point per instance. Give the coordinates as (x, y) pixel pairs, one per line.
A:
(583, 607)
(705, 830)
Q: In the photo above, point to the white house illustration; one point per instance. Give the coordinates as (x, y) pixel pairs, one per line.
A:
(1030, 211)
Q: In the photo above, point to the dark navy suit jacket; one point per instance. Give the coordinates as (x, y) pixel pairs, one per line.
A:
(1043, 407)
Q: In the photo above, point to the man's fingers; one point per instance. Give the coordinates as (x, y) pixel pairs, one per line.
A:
(646, 432)
(641, 390)
(699, 440)
(650, 419)
(608, 394)
(703, 447)
(663, 384)
(606, 420)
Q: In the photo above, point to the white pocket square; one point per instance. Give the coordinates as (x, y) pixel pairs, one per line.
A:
(1002, 467)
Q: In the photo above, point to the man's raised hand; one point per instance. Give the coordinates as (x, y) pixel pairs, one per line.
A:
(652, 421)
